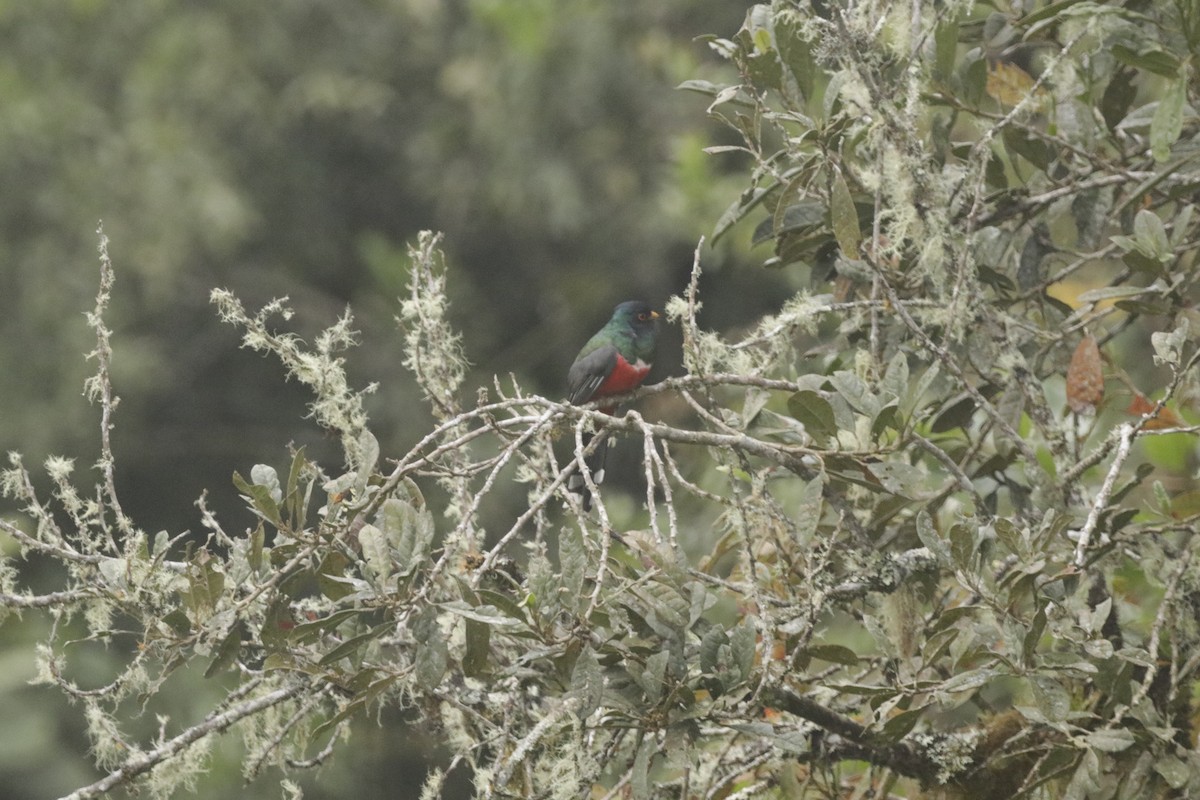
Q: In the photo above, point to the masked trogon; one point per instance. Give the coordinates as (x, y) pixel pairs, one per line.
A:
(614, 361)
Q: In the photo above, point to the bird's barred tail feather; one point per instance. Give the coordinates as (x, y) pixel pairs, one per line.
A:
(595, 465)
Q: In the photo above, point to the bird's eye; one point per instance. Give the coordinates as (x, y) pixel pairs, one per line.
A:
(643, 316)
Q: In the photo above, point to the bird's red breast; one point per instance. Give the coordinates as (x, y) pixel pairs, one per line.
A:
(624, 377)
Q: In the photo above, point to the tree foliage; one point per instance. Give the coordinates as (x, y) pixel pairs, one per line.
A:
(927, 528)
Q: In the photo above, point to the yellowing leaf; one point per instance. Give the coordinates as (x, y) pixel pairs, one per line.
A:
(1008, 84)
(844, 217)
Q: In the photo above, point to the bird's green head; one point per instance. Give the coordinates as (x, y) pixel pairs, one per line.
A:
(636, 315)
(636, 322)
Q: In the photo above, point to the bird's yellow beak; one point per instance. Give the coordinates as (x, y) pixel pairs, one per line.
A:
(654, 314)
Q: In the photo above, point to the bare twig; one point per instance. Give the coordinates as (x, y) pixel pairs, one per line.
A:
(100, 386)
(1125, 435)
(51, 600)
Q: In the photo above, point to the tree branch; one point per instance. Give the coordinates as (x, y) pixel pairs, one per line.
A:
(215, 723)
(900, 756)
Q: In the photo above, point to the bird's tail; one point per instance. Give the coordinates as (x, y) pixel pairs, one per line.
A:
(595, 465)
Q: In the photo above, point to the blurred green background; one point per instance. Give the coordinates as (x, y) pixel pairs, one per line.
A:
(294, 148)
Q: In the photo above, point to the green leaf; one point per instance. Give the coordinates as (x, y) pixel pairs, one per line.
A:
(432, 657)
(504, 604)
(1152, 59)
(929, 537)
(587, 682)
(854, 391)
(352, 645)
(701, 87)
(1167, 122)
(485, 614)
(350, 709)
(375, 551)
(806, 215)
(1051, 697)
(278, 625)
(1151, 235)
(178, 622)
(1110, 292)
(895, 385)
(205, 584)
(331, 569)
(227, 650)
(368, 455)
(308, 631)
(265, 475)
(1030, 269)
(653, 678)
(1033, 636)
(900, 725)
(669, 609)
(897, 477)
(1008, 534)
(808, 511)
(1174, 771)
(969, 681)
(833, 91)
(1118, 97)
(952, 617)
(573, 561)
(844, 216)
(255, 556)
(710, 648)
(742, 646)
(294, 472)
(478, 649)
(1085, 783)
(888, 419)
(945, 40)
(640, 776)
(814, 412)
(1111, 740)
(1049, 12)
(833, 653)
(739, 208)
(956, 415)
(1033, 150)
(260, 498)
(1168, 347)
(1183, 225)
(963, 540)
(409, 532)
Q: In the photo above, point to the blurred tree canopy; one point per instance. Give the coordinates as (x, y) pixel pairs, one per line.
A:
(294, 149)
(925, 528)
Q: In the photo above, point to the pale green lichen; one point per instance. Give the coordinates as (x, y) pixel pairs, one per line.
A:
(432, 788)
(108, 744)
(336, 406)
(185, 769)
(432, 349)
(953, 753)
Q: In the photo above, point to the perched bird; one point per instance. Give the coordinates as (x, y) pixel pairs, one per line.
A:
(614, 361)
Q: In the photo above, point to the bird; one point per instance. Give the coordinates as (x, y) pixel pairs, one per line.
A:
(614, 361)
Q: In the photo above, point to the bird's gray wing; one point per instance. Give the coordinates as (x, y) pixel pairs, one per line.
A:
(589, 371)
